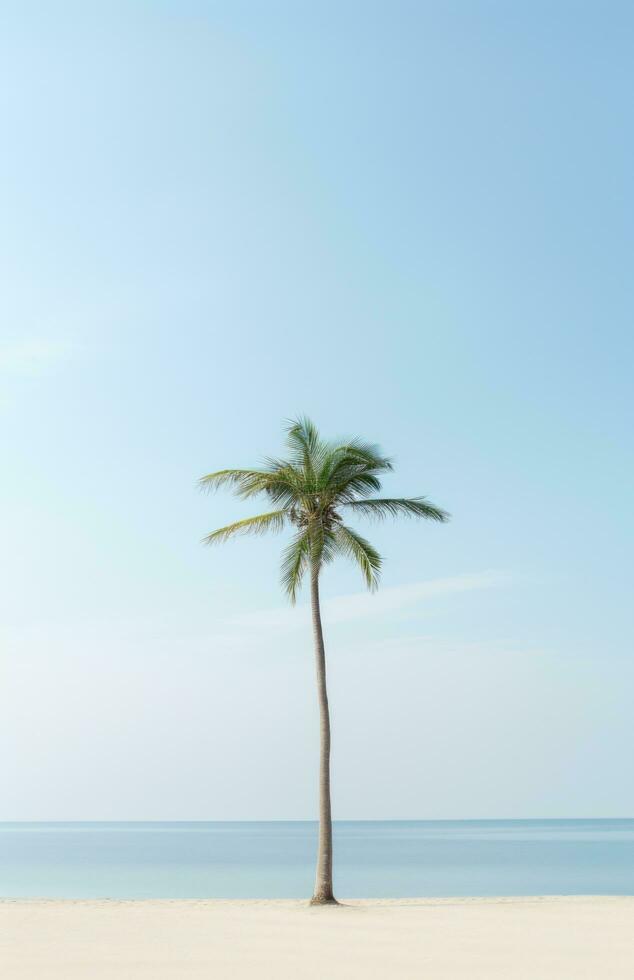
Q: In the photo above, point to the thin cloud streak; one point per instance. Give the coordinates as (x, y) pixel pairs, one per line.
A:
(362, 605)
(165, 632)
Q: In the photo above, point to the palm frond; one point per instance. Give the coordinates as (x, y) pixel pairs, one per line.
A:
(295, 561)
(274, 521)
(279, 482)
(287, 484)
(352, 469)
(302, 435)
(382, 507)
(323, 545)
(245, 483)
(307, 449)
(367, 454)
(353, 546)
(353, 483)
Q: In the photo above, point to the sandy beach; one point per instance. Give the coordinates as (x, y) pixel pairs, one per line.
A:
(482, 939)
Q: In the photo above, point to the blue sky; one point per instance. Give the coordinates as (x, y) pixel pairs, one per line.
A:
(412, 221)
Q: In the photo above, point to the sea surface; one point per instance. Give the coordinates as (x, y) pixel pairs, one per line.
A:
(276, 860)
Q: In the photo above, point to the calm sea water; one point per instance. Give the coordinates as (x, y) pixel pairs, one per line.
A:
(275, 860)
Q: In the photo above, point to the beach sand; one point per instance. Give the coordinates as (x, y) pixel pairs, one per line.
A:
(479, 939)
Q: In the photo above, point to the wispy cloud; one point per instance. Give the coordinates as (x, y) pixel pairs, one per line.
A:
(31, 357)
(165, 632)
(363, 605)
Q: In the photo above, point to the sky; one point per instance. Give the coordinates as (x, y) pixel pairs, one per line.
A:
(411, 221)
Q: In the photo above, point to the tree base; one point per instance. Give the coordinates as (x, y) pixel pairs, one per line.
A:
(323, 900)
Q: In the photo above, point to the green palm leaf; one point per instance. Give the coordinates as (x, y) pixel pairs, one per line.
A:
(244, 483)
(353, 546)
(274, 521)
(382, 507)
(295, 561)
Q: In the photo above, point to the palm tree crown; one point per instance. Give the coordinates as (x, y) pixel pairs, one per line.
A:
(315, 489)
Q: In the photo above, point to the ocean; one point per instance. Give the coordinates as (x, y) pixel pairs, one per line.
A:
(373, 859)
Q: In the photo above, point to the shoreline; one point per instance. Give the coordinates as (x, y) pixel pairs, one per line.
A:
(431, 900)
(492, 938)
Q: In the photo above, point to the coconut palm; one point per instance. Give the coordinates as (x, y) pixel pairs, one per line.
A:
(314, 491)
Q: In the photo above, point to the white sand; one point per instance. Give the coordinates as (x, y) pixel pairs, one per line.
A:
(436, 939)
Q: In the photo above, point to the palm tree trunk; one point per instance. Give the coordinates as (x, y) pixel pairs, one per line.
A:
(323, 894)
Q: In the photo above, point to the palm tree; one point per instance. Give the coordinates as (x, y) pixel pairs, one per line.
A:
(314, 490)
